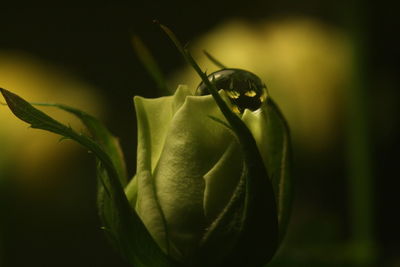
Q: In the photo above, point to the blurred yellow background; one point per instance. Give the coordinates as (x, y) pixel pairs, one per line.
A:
(304, 63)
(37, 151)
(330, 66)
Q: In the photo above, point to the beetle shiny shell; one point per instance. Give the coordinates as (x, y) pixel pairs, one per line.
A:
(244, 89)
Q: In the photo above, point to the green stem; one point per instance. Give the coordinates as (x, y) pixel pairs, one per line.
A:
(360, 165)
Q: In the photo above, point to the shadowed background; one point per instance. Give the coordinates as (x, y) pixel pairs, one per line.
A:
(83, 57)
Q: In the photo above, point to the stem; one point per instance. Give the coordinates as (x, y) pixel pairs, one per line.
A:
(360, 165)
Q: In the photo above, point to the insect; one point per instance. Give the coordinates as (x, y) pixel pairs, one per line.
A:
(244, 89)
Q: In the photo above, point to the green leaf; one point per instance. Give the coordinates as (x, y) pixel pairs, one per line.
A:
(214, 60)
(270, 130)
(124, 225)
(280, 163)
(254, 233)
(102, 135)
(150, 64)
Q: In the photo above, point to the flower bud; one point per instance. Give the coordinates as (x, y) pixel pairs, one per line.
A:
(189, 169)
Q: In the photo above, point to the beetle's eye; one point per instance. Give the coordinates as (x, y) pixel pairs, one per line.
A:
(244, 89)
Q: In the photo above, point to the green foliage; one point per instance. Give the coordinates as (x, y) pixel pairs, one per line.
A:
(250, 238)
(121, 222)
(150, 64)
(251, 226)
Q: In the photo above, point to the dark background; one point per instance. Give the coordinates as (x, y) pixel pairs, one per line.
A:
(93, 42)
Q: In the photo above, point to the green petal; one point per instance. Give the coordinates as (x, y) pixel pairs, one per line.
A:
(149, 210)
(221, 181)
(194, 144)
(272, 137)
(153, 118)
(251, 223)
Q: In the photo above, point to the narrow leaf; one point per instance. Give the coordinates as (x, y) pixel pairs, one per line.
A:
(214, 60)
(150, 64)
(125, 227)
(258, 239)
(281, 164)
(102, 135)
